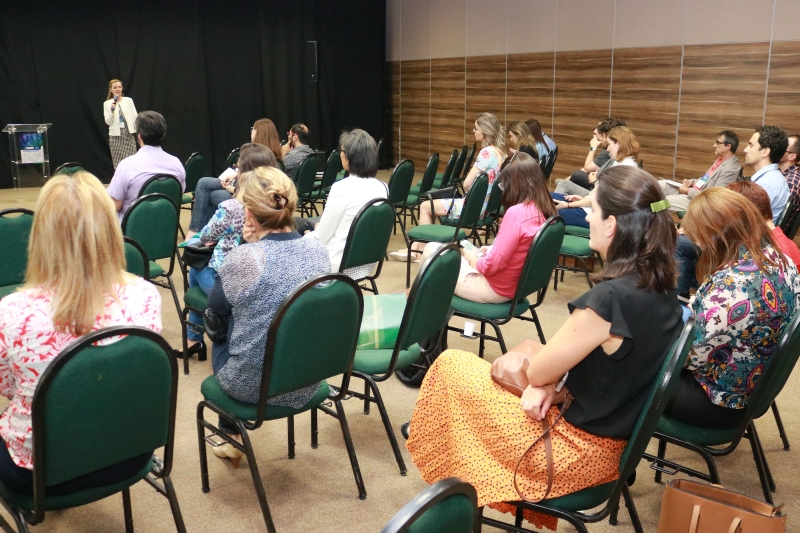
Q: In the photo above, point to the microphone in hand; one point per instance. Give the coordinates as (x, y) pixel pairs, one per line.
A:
(114, 103)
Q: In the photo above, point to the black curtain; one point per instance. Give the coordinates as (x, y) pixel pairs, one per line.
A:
(211, 68)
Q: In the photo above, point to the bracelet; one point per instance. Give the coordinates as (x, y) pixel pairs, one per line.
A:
(568, 204)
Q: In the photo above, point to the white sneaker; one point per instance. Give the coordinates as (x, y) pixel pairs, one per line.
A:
(402, 256)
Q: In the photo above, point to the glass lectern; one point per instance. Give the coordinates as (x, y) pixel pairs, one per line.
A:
(30, 154)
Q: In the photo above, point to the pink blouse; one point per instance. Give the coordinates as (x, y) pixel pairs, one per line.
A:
(28, 342)
(503, 266)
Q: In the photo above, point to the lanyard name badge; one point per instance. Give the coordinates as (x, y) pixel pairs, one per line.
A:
(700, 183)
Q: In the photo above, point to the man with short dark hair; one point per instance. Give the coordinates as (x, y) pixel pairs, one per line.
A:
(134, 171)
(764, 150)
(723, 172)
(595, 160)
(296, 149)
(789, 164)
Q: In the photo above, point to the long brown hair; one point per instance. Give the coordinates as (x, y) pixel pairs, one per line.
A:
(254, 155)
(523, 181)
(267, 134)
(720, 222)
(628, 145)
(644, 241)
(536, 130)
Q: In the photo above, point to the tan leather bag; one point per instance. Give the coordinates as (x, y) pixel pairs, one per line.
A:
(510, 371)
(693, 507)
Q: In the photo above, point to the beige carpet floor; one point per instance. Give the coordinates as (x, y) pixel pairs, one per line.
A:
(315, 492)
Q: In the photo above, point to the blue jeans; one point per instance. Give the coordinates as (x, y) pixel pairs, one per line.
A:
(573, 216)
(207, 196)
(205, 280)
(219, 357)
(686, 254)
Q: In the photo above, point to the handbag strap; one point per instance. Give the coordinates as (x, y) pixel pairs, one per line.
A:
(548, 448)
(736, 524)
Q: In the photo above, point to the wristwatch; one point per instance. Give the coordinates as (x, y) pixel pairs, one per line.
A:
(561, 383)
(592, 148)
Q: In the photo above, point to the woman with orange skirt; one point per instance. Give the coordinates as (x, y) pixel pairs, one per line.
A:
(605, 357)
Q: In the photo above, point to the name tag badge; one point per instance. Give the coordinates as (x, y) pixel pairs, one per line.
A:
(699, 184)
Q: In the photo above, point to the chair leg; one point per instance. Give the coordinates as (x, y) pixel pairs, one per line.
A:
(408, 264)
(126, 508)
(764, 475)
(369, 383)
(662, 451)
(262, 495)
(174, 296)
(290, 435)
(478, 525)
(201, 443)
(185, 339)
(482, 341)
(366, 393)
(173, 505)
(399, 220)
(351, 451)
(499, 334)
(779, 422)
(375, 292)
(314, 430)
(637, 524)
(538, 325)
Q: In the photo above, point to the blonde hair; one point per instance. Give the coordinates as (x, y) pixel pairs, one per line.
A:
(76, 250)
(270, 196)
(110, 94)
(493, 132)
(521, 130)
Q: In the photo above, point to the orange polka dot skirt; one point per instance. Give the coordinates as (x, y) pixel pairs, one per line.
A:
(465, 425)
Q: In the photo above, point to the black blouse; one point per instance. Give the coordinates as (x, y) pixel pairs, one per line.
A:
(609, 390)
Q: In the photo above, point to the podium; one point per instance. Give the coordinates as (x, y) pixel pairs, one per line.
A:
(30, 154)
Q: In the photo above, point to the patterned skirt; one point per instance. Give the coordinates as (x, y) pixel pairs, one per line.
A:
(122, 145)
(465, 425)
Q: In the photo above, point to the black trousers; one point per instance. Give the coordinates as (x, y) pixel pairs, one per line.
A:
(581, 178)
(691, 405)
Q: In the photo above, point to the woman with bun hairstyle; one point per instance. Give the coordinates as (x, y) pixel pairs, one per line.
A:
(120, 116)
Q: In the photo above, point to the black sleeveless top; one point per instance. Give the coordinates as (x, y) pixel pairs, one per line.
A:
(609, 390)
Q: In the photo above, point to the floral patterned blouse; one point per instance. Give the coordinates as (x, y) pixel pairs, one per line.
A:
(488, 162)
(741, 312)
(224, 228)
(28, 343)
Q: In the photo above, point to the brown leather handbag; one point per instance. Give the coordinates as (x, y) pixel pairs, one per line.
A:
(693, 507)
(510, 371)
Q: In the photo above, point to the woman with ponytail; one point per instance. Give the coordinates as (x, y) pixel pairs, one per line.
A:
(252, 283)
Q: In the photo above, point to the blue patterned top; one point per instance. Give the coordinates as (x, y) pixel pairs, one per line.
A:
(741, 312)
(224, 228)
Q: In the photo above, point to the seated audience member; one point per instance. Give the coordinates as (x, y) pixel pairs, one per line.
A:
(134, 171)
(544, 144)
(762, 154)
(75, 283)
(253, 281)
(595, 160)
(466, 425)
(296, 149)
(521, 140)
(491, 136)
(722, 173)
(492, 277)
(359, 154)
(748, 295)
(225, 229)
(790, 168)
(623, 149)
(210, 192)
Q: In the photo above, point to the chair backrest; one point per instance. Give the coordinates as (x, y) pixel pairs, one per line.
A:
(165, 184)
(400, 182)
(136, 259)
(541, 259)
(447, 506)
(68, 168)
(15, 232)
(473, 202)
(152, 221)
(778, 369)
(551, 162)
(195, 169)
(741, 177)
(117, 400)
(369, 235)
(332, 168)
(233, 158)
(430, 174)
(493, 206)
(783, 218)
(292, 358)
(306, 175)
(468, 161)
(448, 170)
(794, 224)
(460, 162)
(429, 300)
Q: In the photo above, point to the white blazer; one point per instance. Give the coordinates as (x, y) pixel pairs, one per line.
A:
(112, 119)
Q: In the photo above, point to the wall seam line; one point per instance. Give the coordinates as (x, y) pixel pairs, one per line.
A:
(505, 97)
(555, 53)
(680, 92)
(769, 62)
(613, 48)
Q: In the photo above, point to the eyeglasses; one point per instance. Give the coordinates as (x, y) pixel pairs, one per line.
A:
(721, 143)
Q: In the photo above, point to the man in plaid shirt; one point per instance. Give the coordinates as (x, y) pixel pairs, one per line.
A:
(789, 165)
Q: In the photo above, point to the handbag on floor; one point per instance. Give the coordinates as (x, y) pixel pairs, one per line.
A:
(693, 507)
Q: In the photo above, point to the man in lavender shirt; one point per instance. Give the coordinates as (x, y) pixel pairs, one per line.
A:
(132, 172)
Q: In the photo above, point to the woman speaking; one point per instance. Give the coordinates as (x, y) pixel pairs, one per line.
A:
(120, 115)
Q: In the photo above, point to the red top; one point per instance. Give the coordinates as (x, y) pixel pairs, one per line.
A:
(787, 246)
(503, 265)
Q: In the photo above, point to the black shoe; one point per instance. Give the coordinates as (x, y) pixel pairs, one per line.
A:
(198, 348)
(632, 479)
(404, 430)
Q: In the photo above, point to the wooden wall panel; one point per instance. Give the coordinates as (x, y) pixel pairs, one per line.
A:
(529, 92)
(392, 89)
(583, 84)
(448, 89)
(783, 105)
(415, 111)
(486, 91)
(723, 88)
(644, 93)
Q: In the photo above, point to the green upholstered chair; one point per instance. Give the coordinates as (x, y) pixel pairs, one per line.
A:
(457, 170)
(293, 359)
(534, 278)
(711, 443)
(416, 197)
(194, 299)
(458, 179)
(195, 167)
(332, 169)
(426, 313)
(68, 168)
(551, 162)
(490, 221)
(578, 249)
(441, 179)
(304, 182)
(15, 229)
(117, 400)
(136, 259)
(573, 507)
(447, 506)
(167, 185)
(787, 209)
(578, 231)
(399, 187)
(470, 213)
(233, 158)
(368, 238)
